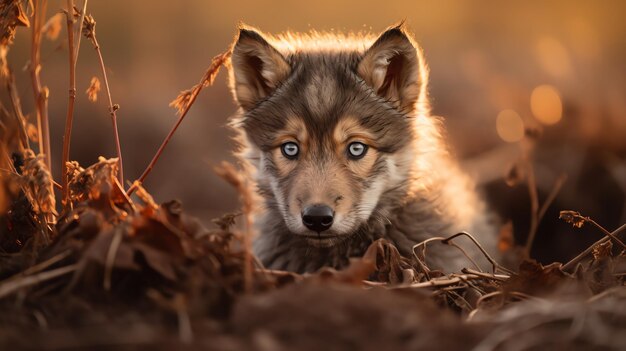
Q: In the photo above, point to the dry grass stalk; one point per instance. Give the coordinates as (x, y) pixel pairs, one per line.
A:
(38, 184)
(67, 135)
(16, 106)
(536, 212)
(235, 177)
(577, 220)
(40, 92)
(89, 31)
(183, 103)
(110, 258)
(448, 241)
(93, 90)
(10, 286)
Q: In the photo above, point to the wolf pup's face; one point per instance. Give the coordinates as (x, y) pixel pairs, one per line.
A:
(328, 126)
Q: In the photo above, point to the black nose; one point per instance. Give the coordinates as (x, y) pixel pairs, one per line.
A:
(317, 217)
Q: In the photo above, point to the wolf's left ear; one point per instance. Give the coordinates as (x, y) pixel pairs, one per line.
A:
(257, 68)
(393, 67)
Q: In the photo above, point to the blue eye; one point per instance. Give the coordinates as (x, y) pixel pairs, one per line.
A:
(290, 150)
(357, 150)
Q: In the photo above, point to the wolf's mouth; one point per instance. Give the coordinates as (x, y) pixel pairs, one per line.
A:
(321, 240)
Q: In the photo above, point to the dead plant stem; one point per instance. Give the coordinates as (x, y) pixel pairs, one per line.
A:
(40, 93)
(112, 108)
(584, 254)
(67, 135)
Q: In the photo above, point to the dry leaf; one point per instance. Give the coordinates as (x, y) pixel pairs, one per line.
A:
(506, 240)
(572, 217)
(52, 28)
(38, 183)
(514, 175)
(32, 132)
(183, 99)
(93, 90)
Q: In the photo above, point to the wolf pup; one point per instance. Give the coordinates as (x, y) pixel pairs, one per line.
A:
(336, 136)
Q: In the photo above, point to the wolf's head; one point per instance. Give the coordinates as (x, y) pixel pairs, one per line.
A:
(327, 122)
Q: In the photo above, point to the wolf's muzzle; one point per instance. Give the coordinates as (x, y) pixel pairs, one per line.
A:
(318, 217)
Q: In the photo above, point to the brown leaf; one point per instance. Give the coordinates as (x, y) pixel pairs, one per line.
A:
(162, 262)
(226, 221)
(389, 264)
(38, 183)
(98, 250)
(514, 175)
(506, 240)
(32, 132)
(52, 28)
(572, 217)
(537, 280)
(93, 90)
(602, 250)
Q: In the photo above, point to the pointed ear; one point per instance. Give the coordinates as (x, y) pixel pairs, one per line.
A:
(257, 68)
(393, 67)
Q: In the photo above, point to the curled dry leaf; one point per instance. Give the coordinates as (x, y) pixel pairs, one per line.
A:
(93, 90)
(12, 14)
(87, 183)
(52, 28)
(89, 27)
(572, 217)
(37, 183)
(602, 250)
(226, 221)
(506, 240)
(514, 175)
(32, 133)
(536, 279)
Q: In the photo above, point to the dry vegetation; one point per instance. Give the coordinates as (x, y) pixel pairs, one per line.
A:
(107, 266)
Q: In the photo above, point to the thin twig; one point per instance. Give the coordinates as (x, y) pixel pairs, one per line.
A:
(538, 214)
(534, 208)
(9, 287)
(606, 232)
(110, 259)
(91, 34)
(78, 29)
(67, 135)
(584, 254)
(206, 80)
(444, 281)
(500, 277)
(45, 264)
(40, 93)
(17, 109)
(558, 184)
(495, 265)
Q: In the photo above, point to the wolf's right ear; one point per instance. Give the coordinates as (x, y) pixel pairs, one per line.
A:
(395, 70)
(257, 68)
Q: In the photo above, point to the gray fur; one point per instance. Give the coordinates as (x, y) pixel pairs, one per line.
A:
(424, 195)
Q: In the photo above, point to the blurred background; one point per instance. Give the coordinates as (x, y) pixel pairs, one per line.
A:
(497, 68)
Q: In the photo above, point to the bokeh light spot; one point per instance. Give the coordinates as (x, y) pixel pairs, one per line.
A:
(510, 126)
(545, 104)
(553, 57)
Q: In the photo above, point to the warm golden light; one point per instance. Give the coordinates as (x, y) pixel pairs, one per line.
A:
(553, 57)
(545, 104)
(510, 126)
